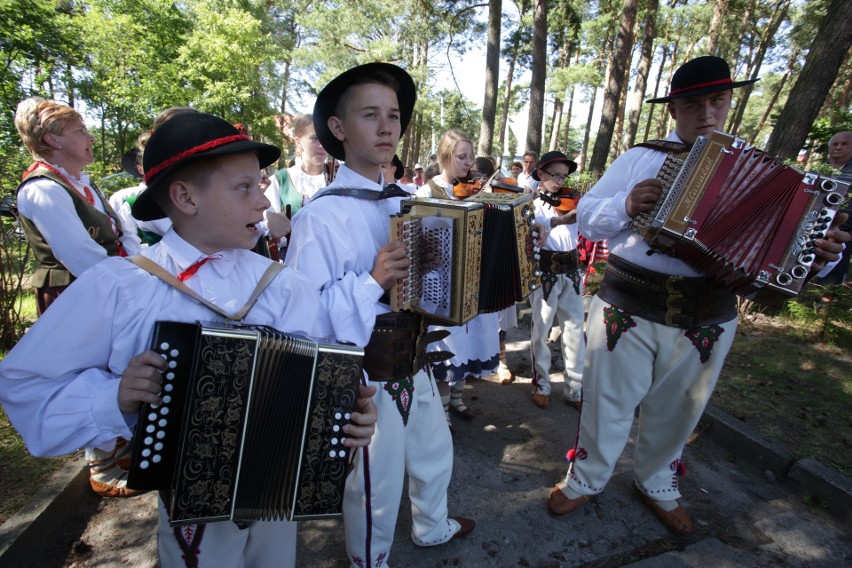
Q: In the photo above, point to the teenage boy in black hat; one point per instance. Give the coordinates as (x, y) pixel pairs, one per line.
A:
(560, 295)
(633, 357)
(342, 236)
(86, 390)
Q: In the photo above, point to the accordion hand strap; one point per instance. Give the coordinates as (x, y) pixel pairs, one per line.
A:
(155, 269)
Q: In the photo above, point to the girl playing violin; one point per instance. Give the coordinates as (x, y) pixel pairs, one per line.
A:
(475, 344)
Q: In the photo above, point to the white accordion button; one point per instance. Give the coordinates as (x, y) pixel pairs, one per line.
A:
(144, 464)
(164, 346)
(152, 416)
(158, 446)
(167, 399)
(347, 416)
(170, 376)
(174, 352)
(337, 416)
(172, 364)
(335, 428)
(148, 440)
(146, 452)
(334, 441)
(162, 423)
(150, 428)
(161, 435)
(164, 410)
(332, 454)
(157, 458)
(342, 453)
(168, 388)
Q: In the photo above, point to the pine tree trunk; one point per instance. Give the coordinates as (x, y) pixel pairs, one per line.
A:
(612, 95)
(492, 75)
(539, 76)
(814, 81)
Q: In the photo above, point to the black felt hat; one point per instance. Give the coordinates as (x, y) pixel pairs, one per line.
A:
(186, 138)
(327, 100)
(553, 158)
(701, 76)
(128, 162)
(399, 169)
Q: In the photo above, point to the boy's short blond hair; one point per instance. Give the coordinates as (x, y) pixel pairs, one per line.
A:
(36, 117)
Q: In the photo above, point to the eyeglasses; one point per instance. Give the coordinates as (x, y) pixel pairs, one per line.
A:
(560, 177)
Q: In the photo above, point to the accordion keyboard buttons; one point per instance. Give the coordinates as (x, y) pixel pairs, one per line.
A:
(157, 419)
(339, 419)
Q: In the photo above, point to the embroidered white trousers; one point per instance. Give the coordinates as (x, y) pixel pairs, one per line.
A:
(566, 306)
(656, 368)
(225, 545)
(421, 449)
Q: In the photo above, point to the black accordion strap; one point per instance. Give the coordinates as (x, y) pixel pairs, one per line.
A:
(390, 190)
(155, 269)
(665, 146)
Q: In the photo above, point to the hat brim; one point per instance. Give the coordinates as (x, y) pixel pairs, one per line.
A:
(146, 208)
(128, 162)
(703, 91)
(326, 102)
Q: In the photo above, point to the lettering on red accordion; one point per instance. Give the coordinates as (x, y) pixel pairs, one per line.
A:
(741, 217)
(467, 257)
(250, 424)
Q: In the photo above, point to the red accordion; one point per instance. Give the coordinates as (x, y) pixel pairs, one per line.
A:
(741, 217)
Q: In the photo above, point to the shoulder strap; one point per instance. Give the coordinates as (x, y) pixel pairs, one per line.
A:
(437, 190)
(390, 190)
(155, 269)
(665, 146)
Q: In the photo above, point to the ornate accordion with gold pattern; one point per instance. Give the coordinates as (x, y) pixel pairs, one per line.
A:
(250, 424)
(741, 217)
(467, 257)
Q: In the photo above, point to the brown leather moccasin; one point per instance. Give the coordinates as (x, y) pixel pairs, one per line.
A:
(559, 505)
(676, 520)
(467, 526)
(540, 400)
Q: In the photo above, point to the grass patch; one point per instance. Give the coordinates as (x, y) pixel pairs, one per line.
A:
(21, 474)
(787, 385)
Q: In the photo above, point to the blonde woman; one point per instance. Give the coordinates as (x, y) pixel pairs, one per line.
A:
(66, 218)
(296, 185)
(476, 344)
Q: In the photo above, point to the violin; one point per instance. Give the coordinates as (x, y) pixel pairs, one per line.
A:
(464, 188)
(563, 201)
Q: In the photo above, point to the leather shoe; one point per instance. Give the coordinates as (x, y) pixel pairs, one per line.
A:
(559, 505)
(541, 400)
(467, 526)
(676, 520)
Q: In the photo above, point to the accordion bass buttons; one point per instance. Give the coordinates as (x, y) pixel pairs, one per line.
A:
(340, 418)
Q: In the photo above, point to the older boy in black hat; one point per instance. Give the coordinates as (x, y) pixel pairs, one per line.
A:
(86, 390)
(560, 295)
(635, 356)
(342, 236)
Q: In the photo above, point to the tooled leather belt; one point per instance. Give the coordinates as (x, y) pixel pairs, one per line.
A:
(397, 347)
(558, 262)
(676, 301)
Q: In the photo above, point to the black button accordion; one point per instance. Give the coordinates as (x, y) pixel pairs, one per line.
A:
(250, 427)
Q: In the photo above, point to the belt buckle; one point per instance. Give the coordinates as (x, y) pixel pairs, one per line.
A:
(673, 299)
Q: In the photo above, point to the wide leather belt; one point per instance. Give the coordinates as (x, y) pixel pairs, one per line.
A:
(558, 262)
(397, 347)
(675, 301)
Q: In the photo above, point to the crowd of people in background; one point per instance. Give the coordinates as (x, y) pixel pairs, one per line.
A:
(208, 192)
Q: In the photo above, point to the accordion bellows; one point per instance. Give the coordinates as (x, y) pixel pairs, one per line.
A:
(741, 217)
(250, 425)
(467, 257)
